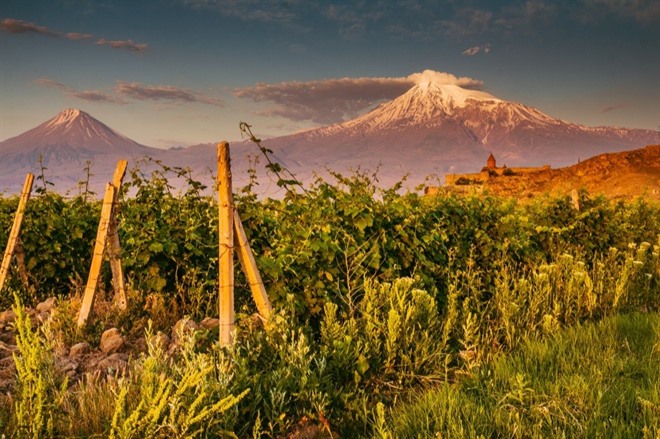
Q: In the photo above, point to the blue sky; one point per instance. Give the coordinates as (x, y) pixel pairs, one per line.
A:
(181, 72)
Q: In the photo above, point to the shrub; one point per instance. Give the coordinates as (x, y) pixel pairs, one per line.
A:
(39, 390)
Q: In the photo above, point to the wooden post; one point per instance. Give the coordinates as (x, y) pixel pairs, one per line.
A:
(97, 258)
(250, 268)
(15, 229)
(20, 261)
(575, 199)
(226, 242)
(114, 247)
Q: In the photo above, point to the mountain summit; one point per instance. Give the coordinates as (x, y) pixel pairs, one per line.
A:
(439, 128)
(425, 104)
(64, 144)
(72, 133)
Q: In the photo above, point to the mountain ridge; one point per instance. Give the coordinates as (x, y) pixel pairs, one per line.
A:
(439, 129)
(431, 129)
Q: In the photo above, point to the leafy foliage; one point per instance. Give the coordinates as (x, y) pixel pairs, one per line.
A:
(377, 294)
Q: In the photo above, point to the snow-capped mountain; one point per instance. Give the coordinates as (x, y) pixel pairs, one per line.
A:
(432, 129)
(442, 128)
(71, 134)
(64, 144)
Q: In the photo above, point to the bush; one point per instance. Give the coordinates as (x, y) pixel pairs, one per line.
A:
(39, 390)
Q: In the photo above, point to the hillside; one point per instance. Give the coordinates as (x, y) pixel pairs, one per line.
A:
(618, 175)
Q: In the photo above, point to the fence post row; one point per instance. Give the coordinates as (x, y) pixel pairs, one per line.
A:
(14, 244)
(231, 233)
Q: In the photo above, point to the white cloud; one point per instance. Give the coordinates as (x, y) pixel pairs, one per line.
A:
(334, 100)
(477, 49)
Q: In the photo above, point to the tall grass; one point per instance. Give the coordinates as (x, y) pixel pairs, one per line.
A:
(527, 302)
(595, 380)
(39, 390)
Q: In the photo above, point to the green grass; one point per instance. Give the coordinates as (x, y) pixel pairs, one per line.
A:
(594, 380)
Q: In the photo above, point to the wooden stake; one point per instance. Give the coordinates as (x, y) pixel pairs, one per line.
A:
(114, 247)
(575, 199)
(20, 261)
(97, 258)
(226, 242)
(250, 268)
(15, 229)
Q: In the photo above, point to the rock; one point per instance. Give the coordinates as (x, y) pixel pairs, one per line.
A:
(6, 385)
(66, 366)
(80, 349)
(161, 340)
(7, 377)
(7, 349)
(183, 327)
(137, 345)
(7, 363)
(46, 306)
(8, 337)
(115, 364)
(7, 317)
(61, 350)
(209, 323)
(43, 316)
(111, 341)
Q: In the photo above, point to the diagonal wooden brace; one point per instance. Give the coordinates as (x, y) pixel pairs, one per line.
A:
(97, 257)
(114, 247)
(249, 265)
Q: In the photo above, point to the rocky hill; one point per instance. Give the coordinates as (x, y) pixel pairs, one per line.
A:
(617, 175)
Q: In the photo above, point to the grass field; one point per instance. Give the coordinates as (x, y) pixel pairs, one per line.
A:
(595, 380)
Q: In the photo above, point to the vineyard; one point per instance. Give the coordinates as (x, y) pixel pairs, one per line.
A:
(395, 315)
